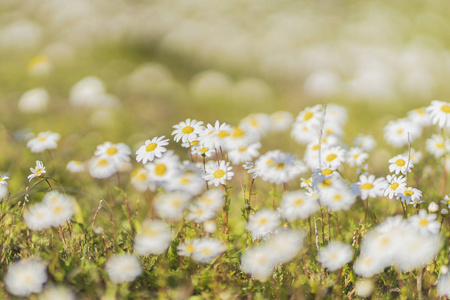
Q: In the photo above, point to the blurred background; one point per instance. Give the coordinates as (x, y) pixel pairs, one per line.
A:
(138, 67)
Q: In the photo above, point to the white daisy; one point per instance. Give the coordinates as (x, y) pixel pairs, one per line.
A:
(262, 223)
(60, 207)
(171, 206)
(102, 167)
(123, 268)
(215, 136)
(140, 179)
(277, 167)
(75, 166)
(154, 238)
(425, 223)
(356, 156)
(118, 153)
(38, 171)
(212, 200)
(333, 157)
(26, 277)
(400, 164)
(207, 249)
(164, 168)
(218, 174)
(37, 216)
(395, 184)
(190, 183)
(200, 214)
(187, 131)
(259, 262)
(281, 120)
(59, 292)
(440, 113)
(297, 205)
(202, 150)
(399, 133)
(151, 149)
(3, 179)
(43, 141)
(335, 255)
(256, 123)
(337, 198)
(366, 142)
(409, 195)
(420, 116)
(437, 145)
(245, 153)
(369, 187)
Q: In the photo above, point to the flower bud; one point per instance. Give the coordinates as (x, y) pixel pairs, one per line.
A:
(433, 207)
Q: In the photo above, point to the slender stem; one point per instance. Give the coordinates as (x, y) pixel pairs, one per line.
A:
(337, 224)
(419, 284)
(62, 234)
(127, 206)
(49, 185)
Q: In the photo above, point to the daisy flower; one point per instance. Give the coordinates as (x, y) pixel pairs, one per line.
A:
(75, 166)
(417, 250)
(305, 133)
(395, 184)
(3, 179)
(400, 164)
(446, 200)
(250, 167)
(34, 101)
(215, 136)
(285, 244)
(256, 123)
(356, 157)
(396, 132)
(409, 195)
(164, 168)
(333, 157)
(154, 238)
(277, 167)
(151, 149)
(419, 116)
(187, 248)
(437, 145)
(414, 155)
(212, 199)
(245, 153)
(281, 120)
(240, 138)
(118, 153)
(123, 268)
(368, 265)
(369, 187)
(37, 217)
(443, 286)
(440, 113)
(259, 262)
(365, 142)
(26, 277)
(335, 255)
(297, 205)
(202, 150)
(57, 293)
(425, 223)
(59, 206)
(38, 171)
(200, 214)
(207, 249)
(187, 131)
(43, 141)
(140, 179)
(337, 198)
(218, 174)
(310, 115)
(262, 223)
(171, 206)
(190, 183)
(306, 182)
(102, 167)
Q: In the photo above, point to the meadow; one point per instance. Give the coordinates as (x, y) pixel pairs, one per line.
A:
(138, 163)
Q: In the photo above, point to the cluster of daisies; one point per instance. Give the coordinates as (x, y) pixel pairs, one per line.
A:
(195, 190)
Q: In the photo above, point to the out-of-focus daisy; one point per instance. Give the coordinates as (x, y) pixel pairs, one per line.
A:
(37, 171)
(368, 265)
(218, 174)
(262, 223)
(400, 132)
(259, 262)
(310, 115)
(215, 136)
(118, 153)
(394, 186)
(369, 187)
(151, 149)
(366, 142)
(102, 167)
(26, 277)
(3, 179)
(202, 150)
(34, 101)
(212, 199)
(250, 167)
(306, 182)
(297, 205)
(60, 207)
(333, 157)
(171, 206)
(187, 131)
(190, 183)
(425, 223)
(58, 292)
(419, 116)
(409, 195)
(335, 255)
(257, 123)
(154, 238)
(400, 164)
(414, 155)
(123, 268)
(140, 179)
(443, 286)
(207, 249)
(446, 200)
(277, 167)
(200, 214)
(285, 244)
(37, 216)
(437, 145)
(440, 113)
(164, 168)
(240, 138)
(356, 156)
(245, 153)
(418, 250)
(43, 141)
(75, 166)
(281, 120)
(337, 198)
(364, 288)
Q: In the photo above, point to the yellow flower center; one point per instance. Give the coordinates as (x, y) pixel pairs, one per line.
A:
(337, 198)
(101, 162)
(298, 202)
(308, 115)
(142, 177)
(187, 130)
(190, 248)
(204, 150)
(445, 108)
(37, 60)
(193, 143)
(355, 156)
(150, 147)
(222, 134)
(440, 145)
(57, 209)
(331, 157)
(185, 180)
(219, 173)
(263, 221)
(367, 186)
(111, 151)
(400, 131)
(206, 251)
(242, 149)
(315, 147)
(326, 172)
(160, 169)
(237, 133)
(42, 139)
(394, 186)
(408, 193)
(254, 121)
(327, 182)
(329, 131)
(307, 181)
(420, 111)
(175, 203)
(400, 162)
(280, 166)
(270, 162)
(423, 222)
